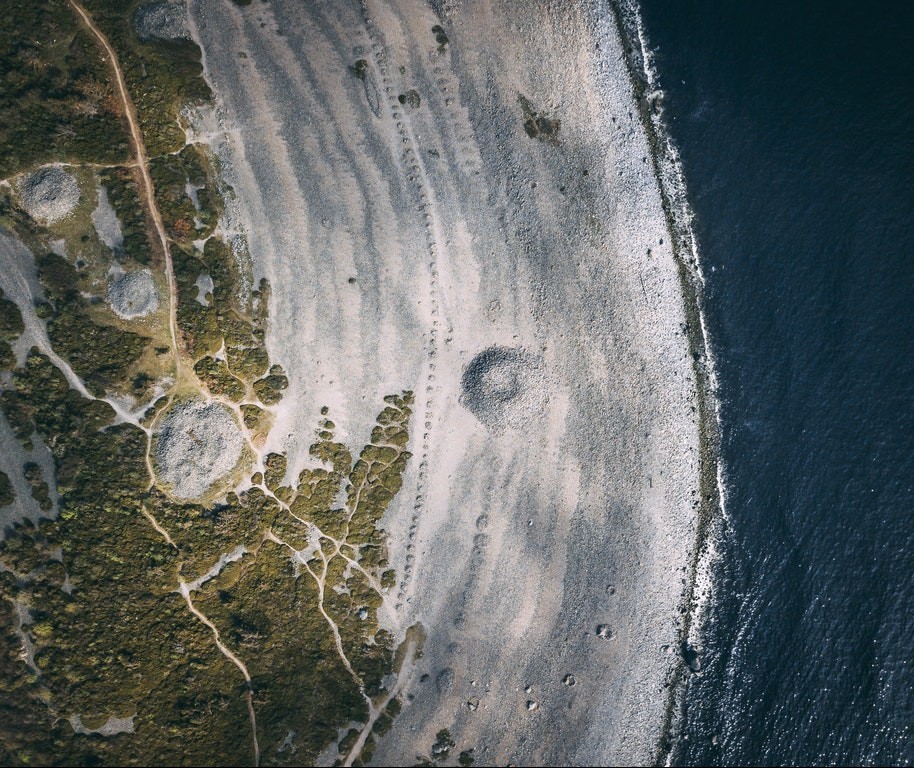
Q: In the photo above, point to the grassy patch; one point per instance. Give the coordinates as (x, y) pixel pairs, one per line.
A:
(537, 125)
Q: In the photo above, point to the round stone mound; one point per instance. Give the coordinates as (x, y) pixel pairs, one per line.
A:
(49, 194)
(165, 20)
(504, 387)
(199, 443)
(133, 294)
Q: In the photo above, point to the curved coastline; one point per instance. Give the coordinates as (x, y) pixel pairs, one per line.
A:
(712, 511)
(395, 205)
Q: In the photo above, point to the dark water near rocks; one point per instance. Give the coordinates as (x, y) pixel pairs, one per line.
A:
(795, 122)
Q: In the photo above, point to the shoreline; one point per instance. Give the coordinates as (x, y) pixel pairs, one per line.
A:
(597, 514)
(711, 511)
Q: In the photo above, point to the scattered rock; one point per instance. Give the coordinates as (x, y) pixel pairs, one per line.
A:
(199, 443)
(473, 703)
(106, 223)
(133, 294)
(49, 194)
(504, 387)
(165, 20)
(532, 705)
(445, 680)
(690, 657)
(569, 680)
(604, 631)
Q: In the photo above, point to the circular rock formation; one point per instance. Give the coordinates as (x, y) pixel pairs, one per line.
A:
(199, 443)
(49, 194)
(164, 20)
(133, 294)
(504, 387)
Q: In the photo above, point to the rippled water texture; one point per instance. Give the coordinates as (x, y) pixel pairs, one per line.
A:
(796, 129)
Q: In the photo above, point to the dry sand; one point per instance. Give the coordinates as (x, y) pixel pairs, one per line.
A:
(526, 290)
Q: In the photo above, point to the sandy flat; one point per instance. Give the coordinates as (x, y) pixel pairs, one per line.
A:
(401, 242)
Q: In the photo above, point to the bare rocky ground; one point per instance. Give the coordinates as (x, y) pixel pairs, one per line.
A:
(198, 443)
(165, 20)
(106, 223)
(132, 294)
(48, 194)
(497, 245)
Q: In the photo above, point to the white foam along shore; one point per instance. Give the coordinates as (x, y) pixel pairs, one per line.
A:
(402, 243)
(713, 512)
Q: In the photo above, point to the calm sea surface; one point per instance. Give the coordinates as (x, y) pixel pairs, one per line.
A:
(795, 122)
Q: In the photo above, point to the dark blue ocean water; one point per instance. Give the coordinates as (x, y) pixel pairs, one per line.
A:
(795, 123)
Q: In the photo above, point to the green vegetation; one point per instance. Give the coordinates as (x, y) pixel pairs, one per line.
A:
(101, 355)
(360, 69)
(215, 375)
(440, 37)
(536, 125)
(443, 744)
(10, 327)
(7, 494)
(163, 76)
(465, 758)
(188, 699)
(171, 175)
(40, 490)
(10, 319)
(98, 586)
(121, 187)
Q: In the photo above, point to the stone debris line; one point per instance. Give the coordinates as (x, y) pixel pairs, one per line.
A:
(411, 163)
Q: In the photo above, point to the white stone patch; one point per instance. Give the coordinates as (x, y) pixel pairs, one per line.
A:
(199, 443)
(132, 294)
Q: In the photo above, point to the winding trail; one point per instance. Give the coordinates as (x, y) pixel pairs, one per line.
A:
(142, 163)
(147, 194)
(185, 593)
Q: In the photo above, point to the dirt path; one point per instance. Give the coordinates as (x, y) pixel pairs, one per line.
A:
(147, 193)
(142, 163)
